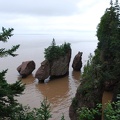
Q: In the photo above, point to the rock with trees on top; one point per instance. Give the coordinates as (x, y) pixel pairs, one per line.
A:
(58, 59)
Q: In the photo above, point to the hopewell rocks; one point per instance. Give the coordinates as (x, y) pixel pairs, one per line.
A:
(55, 68)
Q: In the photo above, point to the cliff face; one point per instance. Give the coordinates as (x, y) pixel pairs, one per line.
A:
(55, 68)
(85, 98)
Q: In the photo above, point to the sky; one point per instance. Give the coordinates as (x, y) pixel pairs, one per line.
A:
(52, 16)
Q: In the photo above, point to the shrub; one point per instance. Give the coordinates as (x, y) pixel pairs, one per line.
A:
(89, 114)
(112, 111)
(55, 52)
(25, 113)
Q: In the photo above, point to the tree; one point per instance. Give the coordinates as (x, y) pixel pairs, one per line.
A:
(8, 104)
(105, 65)
(42, 113)
(104, 68)
(4, 36)
(55, 52)
(10, 109)
(108, 33)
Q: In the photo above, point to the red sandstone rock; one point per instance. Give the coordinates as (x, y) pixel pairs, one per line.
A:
(77, 62)
(26, 68)
(43, 71)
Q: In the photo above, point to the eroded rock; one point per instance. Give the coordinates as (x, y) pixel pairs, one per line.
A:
(55, 68)
(26, 68)
(77, 62)
(43, 71)
(60, 67)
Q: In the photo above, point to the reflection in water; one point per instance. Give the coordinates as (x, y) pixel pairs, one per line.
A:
(76, 75)
(74, 81)
(29, 80)
(55, 90)
(76, 78)
(30, 96)
(59, 93)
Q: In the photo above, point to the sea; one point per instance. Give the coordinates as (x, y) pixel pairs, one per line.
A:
(59, 92)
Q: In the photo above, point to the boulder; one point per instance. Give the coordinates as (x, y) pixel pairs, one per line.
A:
(77, 63)
(60, 67)
(26, 68)
(43, 71)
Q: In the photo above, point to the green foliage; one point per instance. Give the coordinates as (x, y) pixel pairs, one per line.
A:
(89, 114)
(108, 34)
(88, 68)
(4, 36)
(74, 103)
(90, 78)
(62, 118)
(44, 111)
(112, 111)
(55, 52)
(105, 65)
(25, 113)
(8, 104)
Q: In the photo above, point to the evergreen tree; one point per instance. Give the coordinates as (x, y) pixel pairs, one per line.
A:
(10, 109)
(108, 34)
(8, 105)
(104, 67)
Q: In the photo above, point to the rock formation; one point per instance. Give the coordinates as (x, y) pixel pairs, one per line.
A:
(55, 68)
(60, 67)
(77, 63)
(26, 68)
(85, 98)
(43, 71)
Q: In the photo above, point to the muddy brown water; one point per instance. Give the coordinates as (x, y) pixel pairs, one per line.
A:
(59, 92)
(107, 97)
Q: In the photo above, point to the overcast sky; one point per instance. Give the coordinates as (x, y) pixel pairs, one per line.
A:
(51, 16)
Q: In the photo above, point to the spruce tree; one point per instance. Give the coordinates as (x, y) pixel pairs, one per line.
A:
(108, 34)
(10, 109)
(8, 104)
(102, 71)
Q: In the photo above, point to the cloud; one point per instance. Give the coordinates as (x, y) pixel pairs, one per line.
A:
(51, 16)
(40, 7)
